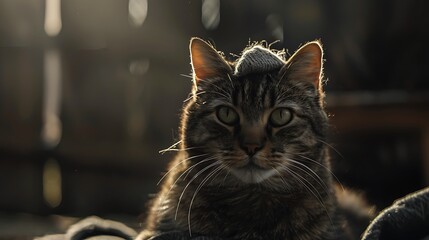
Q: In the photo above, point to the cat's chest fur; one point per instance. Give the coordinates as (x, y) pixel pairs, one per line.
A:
(253, 213)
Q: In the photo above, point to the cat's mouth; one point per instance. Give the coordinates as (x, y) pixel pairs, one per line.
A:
(252, 173)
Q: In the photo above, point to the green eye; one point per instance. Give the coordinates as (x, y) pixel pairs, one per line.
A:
(280, 117)
(227, 115)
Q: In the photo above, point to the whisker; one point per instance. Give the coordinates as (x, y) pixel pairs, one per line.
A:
(191, 170)
(222, 168)
(173, 149)
(304, 171)
(320, 181)
(217, 87)
(193, 166)
(189, 183)
(170, 147)
(330, 146)
(186, 76)
(194, 95)
(184, 160)
(218, 93)
(230, 80)
(301, 179)
(317, 196)
(224, 179)
(280, 175)
(181, 175)
(328, 169)
(211, 174)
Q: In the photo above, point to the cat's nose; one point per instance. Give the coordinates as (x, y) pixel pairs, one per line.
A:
(252, 138)
(251, 147)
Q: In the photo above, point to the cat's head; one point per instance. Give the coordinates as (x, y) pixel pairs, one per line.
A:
(258, 117)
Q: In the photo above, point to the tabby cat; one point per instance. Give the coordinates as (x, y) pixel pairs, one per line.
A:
(253, 162)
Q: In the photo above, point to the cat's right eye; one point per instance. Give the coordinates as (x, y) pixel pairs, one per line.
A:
(227, 115)
(280, 117)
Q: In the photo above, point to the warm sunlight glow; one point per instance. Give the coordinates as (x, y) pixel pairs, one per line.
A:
(52, 191)
(139, 67)
(210, 14)
(51, 131)
(137, 12)
(53, 23)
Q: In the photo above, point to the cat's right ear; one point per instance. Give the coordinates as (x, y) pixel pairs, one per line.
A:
(305, 65)
(206, 61)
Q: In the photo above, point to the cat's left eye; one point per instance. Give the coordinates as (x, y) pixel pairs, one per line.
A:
(227, 115)
(280, 117)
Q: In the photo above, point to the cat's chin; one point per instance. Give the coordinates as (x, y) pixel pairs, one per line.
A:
(252, 174)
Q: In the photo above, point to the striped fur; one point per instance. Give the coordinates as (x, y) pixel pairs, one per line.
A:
(210, 188)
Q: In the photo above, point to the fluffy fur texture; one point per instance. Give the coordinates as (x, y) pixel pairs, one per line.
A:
(253, 162)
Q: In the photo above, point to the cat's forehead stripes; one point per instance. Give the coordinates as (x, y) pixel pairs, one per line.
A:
(253, 95)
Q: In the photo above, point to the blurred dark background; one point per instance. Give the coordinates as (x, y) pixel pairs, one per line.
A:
(90, 91)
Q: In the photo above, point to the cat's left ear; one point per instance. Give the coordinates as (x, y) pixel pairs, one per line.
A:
(206, 61)
(305, 65)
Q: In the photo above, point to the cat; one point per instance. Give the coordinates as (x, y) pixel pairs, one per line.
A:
(253, 161)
